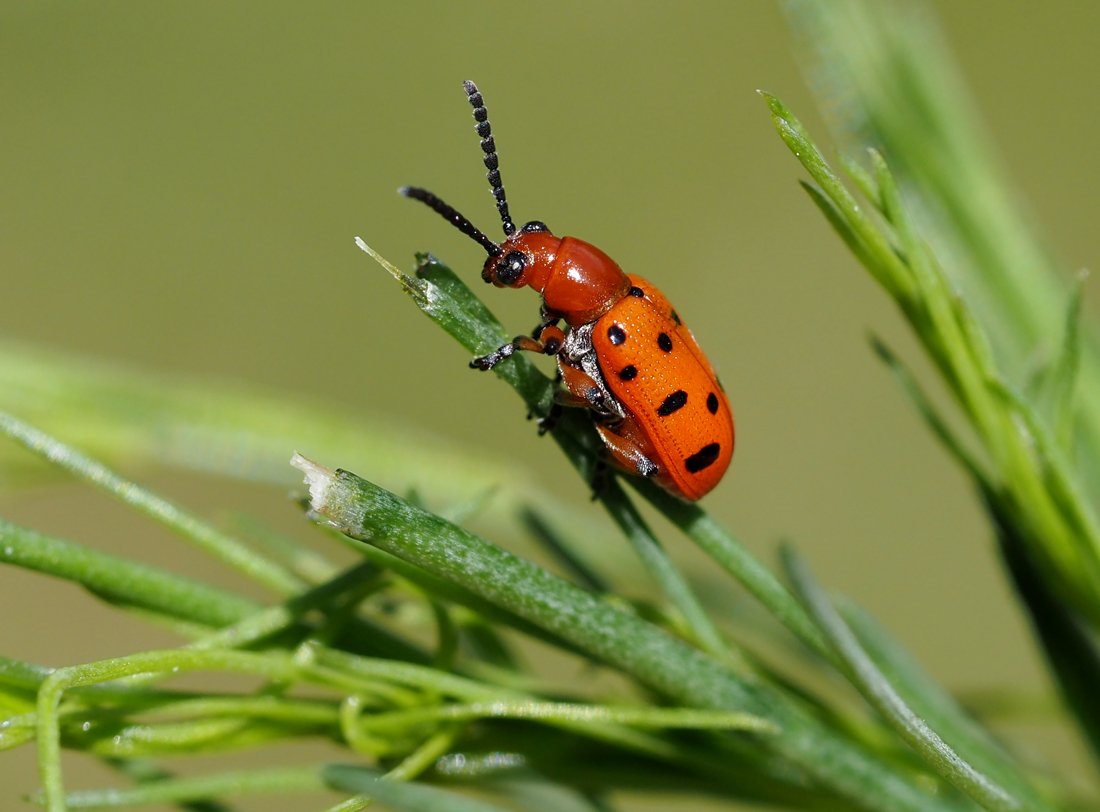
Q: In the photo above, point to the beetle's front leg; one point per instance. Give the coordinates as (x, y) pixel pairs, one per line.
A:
(549, 319)
(548, 341)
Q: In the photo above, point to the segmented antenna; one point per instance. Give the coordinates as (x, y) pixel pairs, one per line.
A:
(489, 147)
(453, 217)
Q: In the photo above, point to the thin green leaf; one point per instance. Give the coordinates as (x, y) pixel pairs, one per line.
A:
(734, 557)
(887, 267)
(667, 575)
(166, 595)
(404, 796)
(933, 703)
(206, 537)
(550, 540)
(1071, 653)
(270, 781)
(1059, 382)
(869, 680)
(437, 294)
(645, 717)
(121, 580)
(864, 181)
(839, 224)
(171, 662)
(143, 771)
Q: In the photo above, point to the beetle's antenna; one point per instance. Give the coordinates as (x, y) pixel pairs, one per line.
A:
(489, 147)
(452, 216)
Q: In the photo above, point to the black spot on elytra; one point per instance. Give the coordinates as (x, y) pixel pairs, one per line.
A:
(629, 372)
(703, 458)
(616, 334)
(664, 342)
(672, 403)
(676, 317)
(712, 403)
(636, 291)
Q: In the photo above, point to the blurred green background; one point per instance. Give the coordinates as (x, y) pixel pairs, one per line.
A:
(182, 183)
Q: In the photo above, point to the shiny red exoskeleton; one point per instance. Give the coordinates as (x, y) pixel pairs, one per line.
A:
(624, 354)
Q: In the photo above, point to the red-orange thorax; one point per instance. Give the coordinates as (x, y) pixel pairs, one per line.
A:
(577, 280)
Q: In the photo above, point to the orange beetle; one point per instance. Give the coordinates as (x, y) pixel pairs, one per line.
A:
(624, 354)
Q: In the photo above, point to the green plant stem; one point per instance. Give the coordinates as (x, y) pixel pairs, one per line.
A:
(668, 577)
(734, 557)
(49, 695)
(591, 714)
(120, 580)
(622, 640)
(166, 595)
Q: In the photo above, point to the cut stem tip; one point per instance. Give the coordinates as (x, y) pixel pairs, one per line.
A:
(318, 478)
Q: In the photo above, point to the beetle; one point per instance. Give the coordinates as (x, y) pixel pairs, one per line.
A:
(624, 353)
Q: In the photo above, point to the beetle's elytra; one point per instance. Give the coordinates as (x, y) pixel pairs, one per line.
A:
(624, 354)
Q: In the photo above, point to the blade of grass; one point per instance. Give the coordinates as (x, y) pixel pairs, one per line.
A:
(668, 577)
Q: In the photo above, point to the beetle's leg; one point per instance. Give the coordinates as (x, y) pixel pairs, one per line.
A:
(548, 320)
(573, 385)
(489, 361)
(548, 342)
(565, 399)
(618, 452)
(571, 400)
(627, 453)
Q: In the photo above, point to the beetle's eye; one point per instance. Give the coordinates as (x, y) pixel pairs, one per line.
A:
(511, 268)
(533, 226)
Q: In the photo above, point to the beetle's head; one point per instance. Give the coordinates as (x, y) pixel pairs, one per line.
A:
(525, 258)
